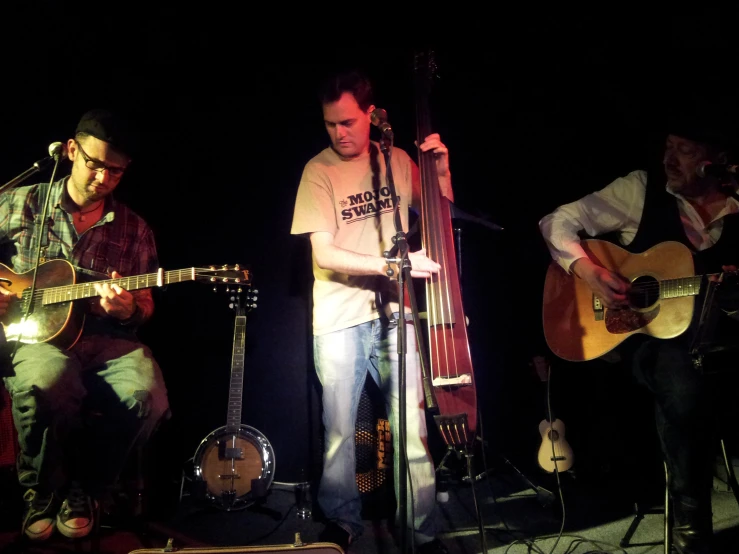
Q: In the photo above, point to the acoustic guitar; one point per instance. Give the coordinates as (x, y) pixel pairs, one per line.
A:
(661, 302)
(235, 464)
(555, 453)
(57, 318)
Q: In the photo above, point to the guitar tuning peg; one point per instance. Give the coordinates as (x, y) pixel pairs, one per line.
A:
(255, 291)
(237, 267)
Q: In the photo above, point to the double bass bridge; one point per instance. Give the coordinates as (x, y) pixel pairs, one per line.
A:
(442, 381)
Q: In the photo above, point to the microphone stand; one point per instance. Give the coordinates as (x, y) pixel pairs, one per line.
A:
(35, 168)
(400, 247)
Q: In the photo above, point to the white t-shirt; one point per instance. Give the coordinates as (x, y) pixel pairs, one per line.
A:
(351, 200)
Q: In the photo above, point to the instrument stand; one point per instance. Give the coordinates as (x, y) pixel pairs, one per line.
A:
(544, 496)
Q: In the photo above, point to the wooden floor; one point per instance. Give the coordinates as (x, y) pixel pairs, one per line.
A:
(516, 519)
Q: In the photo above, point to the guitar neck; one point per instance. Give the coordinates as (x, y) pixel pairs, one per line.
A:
(66, 293)
(678, 288)
(233, 419)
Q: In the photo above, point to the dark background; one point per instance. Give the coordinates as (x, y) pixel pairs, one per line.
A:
(537, 109)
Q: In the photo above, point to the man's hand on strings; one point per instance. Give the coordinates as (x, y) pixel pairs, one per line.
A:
(114, 300)
(720, 276)
(422, 266)
(727, 293)
(441, 153)
(606, 285)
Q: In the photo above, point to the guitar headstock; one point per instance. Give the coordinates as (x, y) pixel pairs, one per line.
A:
(425, 67)
(242, 299)
(224, 275)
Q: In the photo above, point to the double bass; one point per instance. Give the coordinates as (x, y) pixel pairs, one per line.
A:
(450, 388)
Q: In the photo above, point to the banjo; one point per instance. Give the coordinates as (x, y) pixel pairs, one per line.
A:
(235, 464)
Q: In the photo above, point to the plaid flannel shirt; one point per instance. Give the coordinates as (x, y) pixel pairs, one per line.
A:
(120, 241)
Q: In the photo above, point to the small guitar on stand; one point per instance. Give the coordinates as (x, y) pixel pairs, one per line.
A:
(555, 452)
(235, 464)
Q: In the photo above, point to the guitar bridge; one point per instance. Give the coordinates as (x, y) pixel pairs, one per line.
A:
(598, 309)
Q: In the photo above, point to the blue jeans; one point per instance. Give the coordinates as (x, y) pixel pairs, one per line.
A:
(116, 377)
(343, 359)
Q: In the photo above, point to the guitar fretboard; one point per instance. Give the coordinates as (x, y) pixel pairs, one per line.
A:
(233, 419)
(677, 288)
(66, 293)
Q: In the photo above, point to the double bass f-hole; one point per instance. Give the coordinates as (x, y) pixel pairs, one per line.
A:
(452, 375)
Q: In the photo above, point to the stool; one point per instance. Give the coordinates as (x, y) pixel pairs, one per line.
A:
(665, 511)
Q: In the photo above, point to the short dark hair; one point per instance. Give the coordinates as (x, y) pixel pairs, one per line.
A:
(354, 82)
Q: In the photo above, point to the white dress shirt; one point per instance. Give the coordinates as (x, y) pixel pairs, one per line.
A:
(619, 207)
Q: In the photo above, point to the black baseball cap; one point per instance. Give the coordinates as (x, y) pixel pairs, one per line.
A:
(110, 127)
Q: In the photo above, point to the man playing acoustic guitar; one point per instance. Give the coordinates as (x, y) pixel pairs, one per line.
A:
(644, 209)
(63, 467)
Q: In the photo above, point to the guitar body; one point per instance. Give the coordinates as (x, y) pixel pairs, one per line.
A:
(577, 327)
(555, 452)
(60, 323)
(232, 463)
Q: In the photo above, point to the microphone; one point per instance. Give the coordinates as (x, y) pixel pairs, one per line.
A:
(717, 170)
(57, 149)
(379, 120)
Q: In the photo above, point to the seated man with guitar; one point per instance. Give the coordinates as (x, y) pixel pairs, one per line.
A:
(56, 379)
(654, 215)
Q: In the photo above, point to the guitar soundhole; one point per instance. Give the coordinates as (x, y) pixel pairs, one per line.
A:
(553, 435)
(644, 292)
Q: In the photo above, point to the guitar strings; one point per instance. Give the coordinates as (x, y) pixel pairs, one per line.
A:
(61, 290)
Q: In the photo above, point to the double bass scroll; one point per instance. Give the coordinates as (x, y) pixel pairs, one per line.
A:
(452, 375)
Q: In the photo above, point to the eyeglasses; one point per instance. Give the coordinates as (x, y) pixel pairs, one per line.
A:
(99, 166)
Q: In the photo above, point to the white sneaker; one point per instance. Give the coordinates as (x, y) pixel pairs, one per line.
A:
(76, 516)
